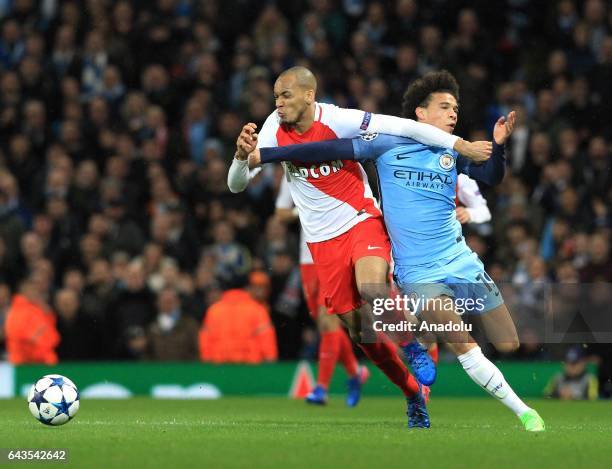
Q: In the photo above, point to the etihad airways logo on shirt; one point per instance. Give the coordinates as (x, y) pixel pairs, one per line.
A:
(315, 171)
(424, 180)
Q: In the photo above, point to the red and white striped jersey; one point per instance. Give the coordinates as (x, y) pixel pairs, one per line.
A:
(331, 197)
(284, 200)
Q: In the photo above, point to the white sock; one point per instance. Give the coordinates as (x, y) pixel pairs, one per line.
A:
(487, 375)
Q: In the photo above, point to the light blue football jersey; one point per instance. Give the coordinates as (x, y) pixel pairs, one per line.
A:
(418, 187)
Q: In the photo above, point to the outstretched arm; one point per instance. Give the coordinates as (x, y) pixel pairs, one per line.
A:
(316, 152)
(492, 171)
(350, 123)
(430, 136)
(364, 148)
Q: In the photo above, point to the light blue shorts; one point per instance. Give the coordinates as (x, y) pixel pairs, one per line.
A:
(463, 279)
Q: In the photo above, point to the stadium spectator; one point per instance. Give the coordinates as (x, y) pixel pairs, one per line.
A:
(130, 315)
(270, 26)
(575, 382)
(78, 340)
(74, 280)
(599, 267)
(5, 303)
(11, 226)
(276, 239)
(30, 328)
(182, 240)
(225, 254)
(236, 328)
(123, 232)
(173, 336)
(97, 299)
(259, 287)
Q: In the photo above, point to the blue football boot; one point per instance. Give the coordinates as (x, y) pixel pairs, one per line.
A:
(417, 411)
(317, 396)
(422, 365)
(354, 386)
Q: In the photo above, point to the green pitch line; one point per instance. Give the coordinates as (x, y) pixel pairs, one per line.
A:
(277, 432)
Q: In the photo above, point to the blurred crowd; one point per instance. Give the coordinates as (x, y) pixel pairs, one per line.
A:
(118, 122)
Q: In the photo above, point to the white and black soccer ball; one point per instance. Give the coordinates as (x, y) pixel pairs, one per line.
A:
(53, 400)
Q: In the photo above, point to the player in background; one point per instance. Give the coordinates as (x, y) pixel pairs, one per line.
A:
(334, 342)
(471, 208)
(431, 257)
(341, 220)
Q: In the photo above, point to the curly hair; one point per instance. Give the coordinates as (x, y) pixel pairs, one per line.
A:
(419, 92)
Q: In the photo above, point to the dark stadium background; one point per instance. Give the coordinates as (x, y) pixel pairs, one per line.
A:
(118, 122)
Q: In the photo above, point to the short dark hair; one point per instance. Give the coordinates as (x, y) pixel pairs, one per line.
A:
(419, 92)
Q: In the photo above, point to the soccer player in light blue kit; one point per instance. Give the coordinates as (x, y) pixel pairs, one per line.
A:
(432, 260)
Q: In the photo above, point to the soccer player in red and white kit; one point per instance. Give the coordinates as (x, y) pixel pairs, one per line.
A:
(471, 205)
(334, 343)
(341, 220)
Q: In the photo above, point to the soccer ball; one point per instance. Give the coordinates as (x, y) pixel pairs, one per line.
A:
(53, 400)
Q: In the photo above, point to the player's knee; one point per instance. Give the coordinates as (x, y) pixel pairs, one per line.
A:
(365, 291)
(507, 347)
(370, 291)
(327, 322)
(352, 323)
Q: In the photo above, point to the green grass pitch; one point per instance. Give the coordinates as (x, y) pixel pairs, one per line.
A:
(277, 432)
